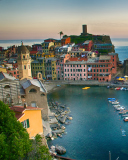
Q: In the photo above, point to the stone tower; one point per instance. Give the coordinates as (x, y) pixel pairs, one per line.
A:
(84, 27)
(24, 62)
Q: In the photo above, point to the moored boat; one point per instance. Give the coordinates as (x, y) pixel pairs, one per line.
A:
(118, 88)
(125, 119)
(120, 108)
(86, 88)
(115, 102)
(116, 105)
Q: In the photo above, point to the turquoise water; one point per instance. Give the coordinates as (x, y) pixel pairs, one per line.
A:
(96, 126)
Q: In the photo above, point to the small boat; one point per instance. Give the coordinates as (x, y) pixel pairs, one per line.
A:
(120, 108)
(111, 98)
(116, 105)
(123, 89)
(115, 102)
(125, 115)
(86, 88)
(123, 132)
(125, 119)
(118, 88)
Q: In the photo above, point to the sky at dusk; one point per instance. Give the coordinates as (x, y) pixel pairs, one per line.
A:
(40, 19)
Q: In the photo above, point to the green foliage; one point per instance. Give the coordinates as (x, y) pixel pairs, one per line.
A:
(14, 139)
(40, 151)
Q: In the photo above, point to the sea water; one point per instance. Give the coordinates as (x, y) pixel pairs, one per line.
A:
(121, 47)
(96, 126)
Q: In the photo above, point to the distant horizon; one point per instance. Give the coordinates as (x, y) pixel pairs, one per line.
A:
(39, 19)
(49, 38)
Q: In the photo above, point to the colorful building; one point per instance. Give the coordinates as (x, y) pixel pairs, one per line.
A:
(114, 59)
(75, 69)
(99, 69)
(60, 66)
(53, 64)
(13, 72)
(37, 47)
(38, 66)
(65, 40)
(46, 46)
(87, 45)
(30, 118)
(102, 46)
(49, 69)
(33, 54)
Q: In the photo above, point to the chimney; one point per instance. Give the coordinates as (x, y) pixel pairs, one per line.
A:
(25, 105)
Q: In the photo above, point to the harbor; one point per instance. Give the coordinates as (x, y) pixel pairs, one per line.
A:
(96, 127)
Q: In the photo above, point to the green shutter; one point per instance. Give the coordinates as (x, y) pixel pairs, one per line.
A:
(28, 123)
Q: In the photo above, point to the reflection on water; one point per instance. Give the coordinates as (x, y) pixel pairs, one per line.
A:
(96, 126)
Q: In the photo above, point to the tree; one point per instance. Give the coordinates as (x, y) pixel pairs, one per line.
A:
(39, 151)
(14, 139)
(61, 33)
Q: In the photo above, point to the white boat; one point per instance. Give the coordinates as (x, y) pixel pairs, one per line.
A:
(115, 102)
(116, 105)
(120, 108)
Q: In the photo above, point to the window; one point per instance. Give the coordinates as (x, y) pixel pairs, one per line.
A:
(43, 94)
(25, 123)
(14, 72)
(24, 67)
(7, 86)
(32, 90)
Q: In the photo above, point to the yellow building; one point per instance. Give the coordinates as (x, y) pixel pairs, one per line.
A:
(46, 46)
(30, 117)
(3, 69)
(53, 64)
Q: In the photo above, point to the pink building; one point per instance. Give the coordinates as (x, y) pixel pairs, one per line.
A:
(114, 57)
(87, 45)
(100, 69)
(14, 73)
(60, 66)
(75, 70)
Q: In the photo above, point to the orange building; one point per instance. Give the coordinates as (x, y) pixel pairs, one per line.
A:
(65, 41)
(30, 117)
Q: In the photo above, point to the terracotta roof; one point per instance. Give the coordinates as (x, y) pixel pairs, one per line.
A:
(78, 59)
(33, 52)
(19, 115)
(21, 108)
